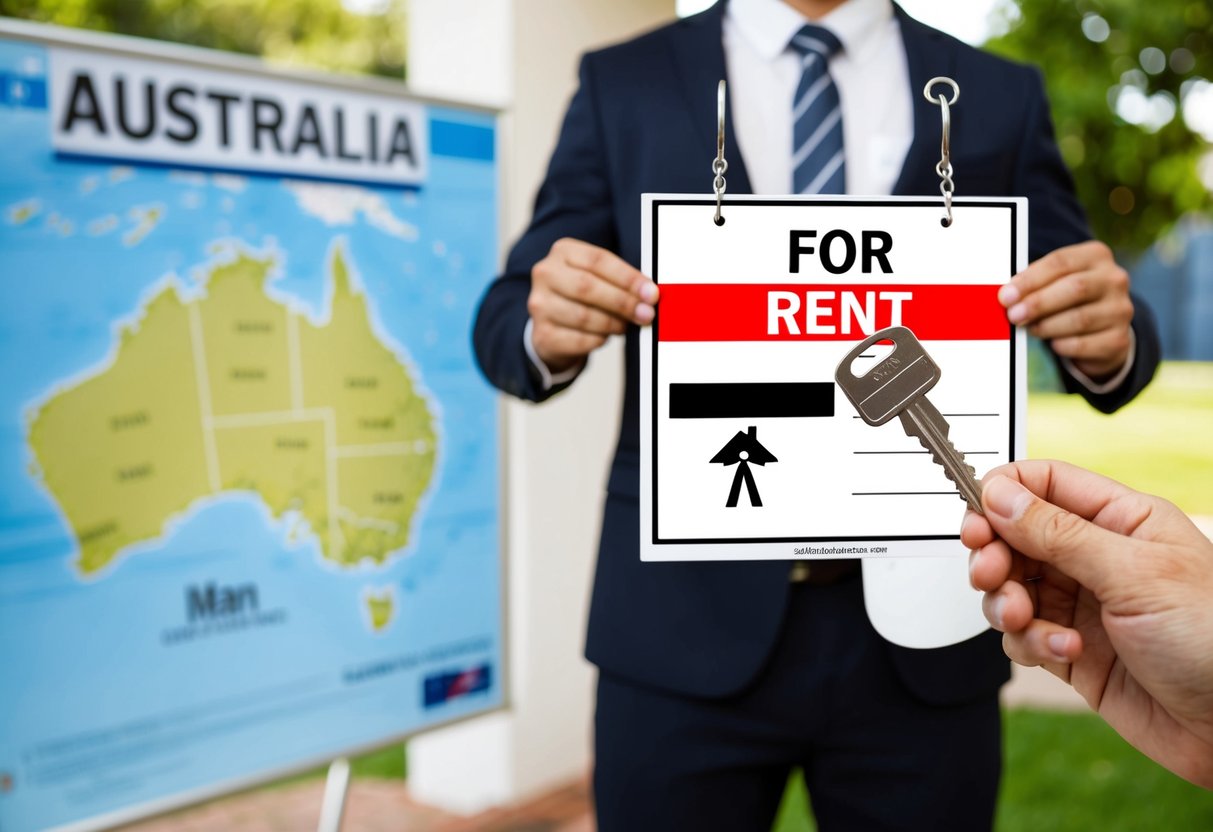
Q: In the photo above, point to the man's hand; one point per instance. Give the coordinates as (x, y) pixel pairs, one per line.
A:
(1077, 298)
(1110, 590)
(580, 295)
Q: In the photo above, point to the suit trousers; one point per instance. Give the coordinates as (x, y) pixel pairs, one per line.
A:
(828, 700)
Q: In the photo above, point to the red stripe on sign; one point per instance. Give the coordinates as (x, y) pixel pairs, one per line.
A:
(827, 312)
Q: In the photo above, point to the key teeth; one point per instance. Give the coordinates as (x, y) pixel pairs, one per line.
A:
(948, 474)
(938, 460)
(922, 421)
(972, 471)
(935, 457)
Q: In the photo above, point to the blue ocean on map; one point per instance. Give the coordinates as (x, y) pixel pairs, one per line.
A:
(110, 700)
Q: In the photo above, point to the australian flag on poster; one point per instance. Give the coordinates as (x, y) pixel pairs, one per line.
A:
(443, 687)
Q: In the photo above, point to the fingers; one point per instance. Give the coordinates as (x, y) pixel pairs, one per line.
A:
(975, 530)
(1054, 535)
(1075, 291)
(608, 266)
(1060, 315)
(592, 275)
(560, 347)
(1043, 643)
(990, 566)
(1078, 298)
(1009, 608)
(560, 311)
(1083, 318)
(1104, 501)
(580, 295)
(1094, 345)
(554, 277)
(990, 559)
(1083, 257)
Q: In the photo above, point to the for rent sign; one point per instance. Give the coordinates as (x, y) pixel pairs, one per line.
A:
(748, 449)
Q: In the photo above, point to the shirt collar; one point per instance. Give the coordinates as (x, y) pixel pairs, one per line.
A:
(768, 25)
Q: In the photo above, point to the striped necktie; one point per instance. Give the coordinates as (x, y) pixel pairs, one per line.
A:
(818, 164)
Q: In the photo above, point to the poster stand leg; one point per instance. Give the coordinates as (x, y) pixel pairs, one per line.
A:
(336, 787)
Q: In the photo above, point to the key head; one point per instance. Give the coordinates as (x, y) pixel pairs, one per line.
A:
(887, 388)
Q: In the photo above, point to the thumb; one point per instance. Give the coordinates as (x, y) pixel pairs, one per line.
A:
(1042, 531)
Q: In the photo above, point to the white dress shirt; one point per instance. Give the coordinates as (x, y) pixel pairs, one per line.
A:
(870, 72)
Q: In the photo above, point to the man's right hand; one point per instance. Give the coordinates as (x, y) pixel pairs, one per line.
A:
(581, 295)
(1112, 591)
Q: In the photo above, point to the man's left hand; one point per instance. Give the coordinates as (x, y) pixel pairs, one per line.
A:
(1077, 297)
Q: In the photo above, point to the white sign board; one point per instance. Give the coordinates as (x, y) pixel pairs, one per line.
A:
(748, 448)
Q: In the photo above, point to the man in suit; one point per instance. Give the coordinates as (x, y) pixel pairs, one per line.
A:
(716, 678)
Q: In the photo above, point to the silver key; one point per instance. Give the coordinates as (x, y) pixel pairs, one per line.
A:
(898, 386)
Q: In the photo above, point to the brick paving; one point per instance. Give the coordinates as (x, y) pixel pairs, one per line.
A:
(373, 806)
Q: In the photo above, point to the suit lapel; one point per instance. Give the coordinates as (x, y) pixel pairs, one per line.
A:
(698, 55)
(928, 54)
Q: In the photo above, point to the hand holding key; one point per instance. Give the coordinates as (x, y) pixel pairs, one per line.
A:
(898, 386)
(1111, 591)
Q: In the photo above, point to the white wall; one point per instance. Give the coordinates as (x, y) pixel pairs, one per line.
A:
(522, 55)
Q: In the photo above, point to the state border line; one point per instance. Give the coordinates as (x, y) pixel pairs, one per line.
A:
(295, 359)
(325, 415)
(316, 414)
(198, 347)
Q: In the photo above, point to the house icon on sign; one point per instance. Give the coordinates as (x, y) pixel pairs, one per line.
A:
(743, 450)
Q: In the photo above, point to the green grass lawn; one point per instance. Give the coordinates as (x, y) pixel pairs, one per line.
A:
(385, 764)
(1063, 772)
(1160, 443)
(1069, 773)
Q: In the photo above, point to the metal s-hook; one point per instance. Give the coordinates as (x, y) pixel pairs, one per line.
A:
(719, 165)
(944, 168)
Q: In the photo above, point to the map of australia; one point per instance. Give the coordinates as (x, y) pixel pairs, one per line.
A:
(232, 390)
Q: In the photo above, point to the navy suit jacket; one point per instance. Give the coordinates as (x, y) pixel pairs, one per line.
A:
(644, 120)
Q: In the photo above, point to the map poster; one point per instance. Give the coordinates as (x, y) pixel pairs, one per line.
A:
(248, 470)
(749, 447)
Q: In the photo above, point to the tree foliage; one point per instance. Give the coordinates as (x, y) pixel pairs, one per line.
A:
(316, 33)
(1115, 71)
